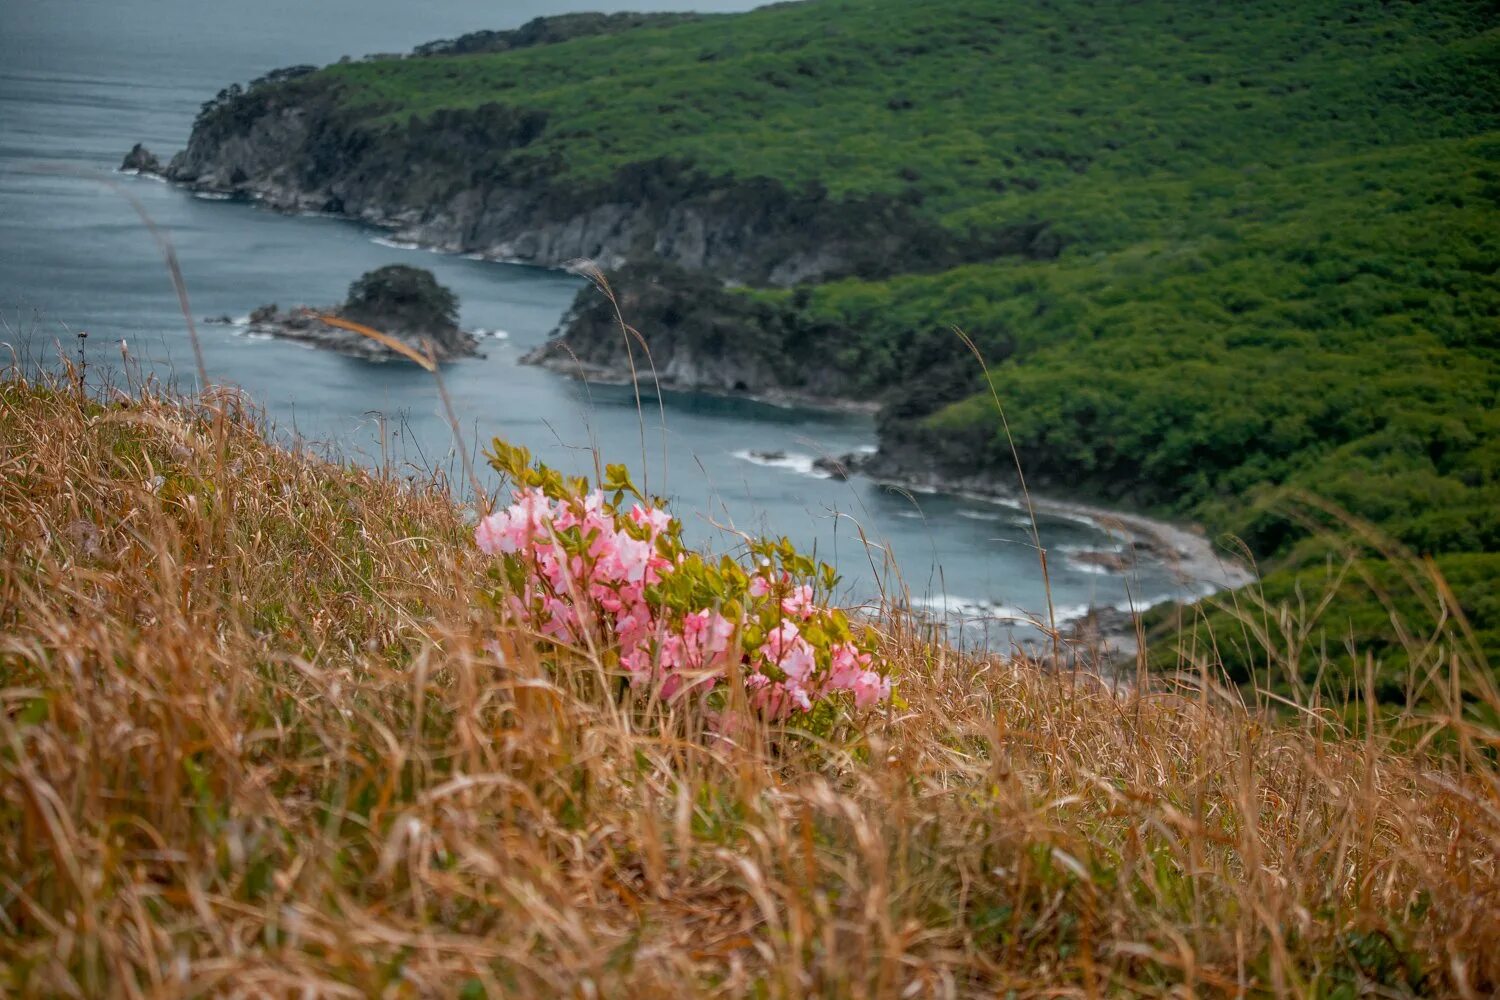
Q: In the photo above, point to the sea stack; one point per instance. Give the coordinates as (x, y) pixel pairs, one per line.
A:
(140, 160)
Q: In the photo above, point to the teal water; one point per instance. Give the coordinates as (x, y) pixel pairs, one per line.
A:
(82, 80)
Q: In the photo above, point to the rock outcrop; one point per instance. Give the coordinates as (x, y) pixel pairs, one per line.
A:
(141, 160)
(698, 336)
(404, 303)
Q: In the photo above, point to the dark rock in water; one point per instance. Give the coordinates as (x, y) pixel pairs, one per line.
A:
(141, 160)
(857, 461)
(404, 303)
(836, 468)
(221, 320)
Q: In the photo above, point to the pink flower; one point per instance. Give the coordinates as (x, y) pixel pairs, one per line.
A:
(654, 518)
(847, 664)
(514, 529)
(586, 570)
(490, 534)
(778, 699)
(799, 604)
(561, 621)
(638, 661)
(870, 689)
(786, 649)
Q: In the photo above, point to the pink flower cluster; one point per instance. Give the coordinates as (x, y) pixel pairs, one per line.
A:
(587, 573)
(785, 652)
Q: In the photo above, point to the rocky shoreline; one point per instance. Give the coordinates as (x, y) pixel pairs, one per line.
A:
(555, 358)
(750, 230)
(1186, 549)
(1103, 636)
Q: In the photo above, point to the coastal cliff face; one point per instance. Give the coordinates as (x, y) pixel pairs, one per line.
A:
(453, 180)
(698, 336)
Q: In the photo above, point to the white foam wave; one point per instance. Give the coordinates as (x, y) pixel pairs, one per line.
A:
(977, 610)
(493, 334)
(1137, 605)
(386, 241)
(212, 195)
(989, 500)
(790, 460)
(973, 609)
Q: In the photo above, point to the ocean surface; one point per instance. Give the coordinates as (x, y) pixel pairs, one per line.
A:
(82, 80)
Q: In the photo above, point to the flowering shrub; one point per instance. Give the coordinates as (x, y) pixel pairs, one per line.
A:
(582, 570)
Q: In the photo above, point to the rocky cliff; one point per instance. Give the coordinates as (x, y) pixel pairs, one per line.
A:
(474, 179)
(692, 333)
(451, 180)
(500, 178)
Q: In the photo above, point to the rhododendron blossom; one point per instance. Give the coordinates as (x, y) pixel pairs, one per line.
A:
(580, 570)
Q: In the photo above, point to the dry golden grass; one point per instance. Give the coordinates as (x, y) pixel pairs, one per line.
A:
(251, 743)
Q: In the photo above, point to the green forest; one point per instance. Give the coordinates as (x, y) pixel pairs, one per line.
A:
(1267, 278)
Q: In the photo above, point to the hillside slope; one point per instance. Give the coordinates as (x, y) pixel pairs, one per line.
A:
(262, 733)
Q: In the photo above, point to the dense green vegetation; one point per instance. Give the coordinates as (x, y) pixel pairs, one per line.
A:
(1347, 345)
(403, 298)
(979, 110)
(1278, 224)
(549, 31)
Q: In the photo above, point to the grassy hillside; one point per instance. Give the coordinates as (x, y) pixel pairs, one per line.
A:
(1268, 251)
(259, 733)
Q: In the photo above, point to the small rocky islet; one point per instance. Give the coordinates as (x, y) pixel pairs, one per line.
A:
(406, 304)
